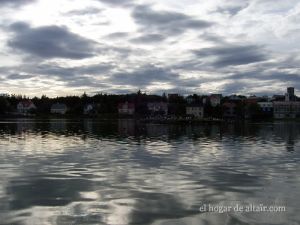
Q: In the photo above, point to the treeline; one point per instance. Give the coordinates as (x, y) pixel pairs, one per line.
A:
(105, 103)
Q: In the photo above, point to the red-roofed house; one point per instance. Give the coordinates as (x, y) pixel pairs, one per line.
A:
(229, 109)
(215, 99)
(126, 108)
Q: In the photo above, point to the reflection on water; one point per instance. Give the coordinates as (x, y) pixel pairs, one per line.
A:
(123, 172)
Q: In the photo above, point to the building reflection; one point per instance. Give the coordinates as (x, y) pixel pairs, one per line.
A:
(288, 132)
(280, 132)
(126, 127)
(141, 173)
(58, 126)
(24, 125)
(153, 130)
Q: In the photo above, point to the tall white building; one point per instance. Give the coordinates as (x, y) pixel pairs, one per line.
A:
(290, 108)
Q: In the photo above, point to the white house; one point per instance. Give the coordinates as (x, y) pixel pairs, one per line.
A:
(289, 108)
(266, 106)
(158, 107)
(25, 106)
(286, 109)
(195, 111)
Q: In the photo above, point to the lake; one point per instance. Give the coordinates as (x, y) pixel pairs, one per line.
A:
(123, 172)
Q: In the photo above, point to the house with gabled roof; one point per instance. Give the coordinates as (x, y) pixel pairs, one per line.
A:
(25, 106)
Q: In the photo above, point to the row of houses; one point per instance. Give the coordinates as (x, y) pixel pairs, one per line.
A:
(26, 107)
(276, 109)
(160, 108)
(279, 107)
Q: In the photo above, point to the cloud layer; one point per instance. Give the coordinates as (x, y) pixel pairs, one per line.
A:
(241, 46)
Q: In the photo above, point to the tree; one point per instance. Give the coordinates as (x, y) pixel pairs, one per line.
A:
(253, 110)
(4, 105)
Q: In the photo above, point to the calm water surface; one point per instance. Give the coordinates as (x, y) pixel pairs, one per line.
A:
(121, 172)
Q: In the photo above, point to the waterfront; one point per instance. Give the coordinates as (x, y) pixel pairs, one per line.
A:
(120, 172)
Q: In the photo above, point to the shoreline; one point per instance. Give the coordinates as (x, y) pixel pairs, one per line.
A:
(143, 120)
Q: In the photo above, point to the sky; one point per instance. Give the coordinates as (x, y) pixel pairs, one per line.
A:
(67, 47)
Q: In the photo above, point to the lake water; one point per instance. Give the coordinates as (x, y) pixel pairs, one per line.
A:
(120, 172)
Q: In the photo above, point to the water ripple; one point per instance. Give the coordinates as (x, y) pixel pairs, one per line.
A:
(117, 173)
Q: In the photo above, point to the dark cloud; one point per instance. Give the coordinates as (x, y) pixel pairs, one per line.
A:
(212, 38)
(70, 72)
(71, 76)
(101, 76)
(237, 86)
(19, 76)
(96, 69)
(233, 55)
(82, 12)
(75, 76)
(231, 10)
(190, 65)
(117, 35)
(148, 38)
(84, 81)
(148, 75)
(4, 69)
(50, 42)
(143, 76)
(53, 70)
(118, 2)
(167, 22)
(15, 3)
(119, 91)
(262, 75)
(121, 52)
(232, 7)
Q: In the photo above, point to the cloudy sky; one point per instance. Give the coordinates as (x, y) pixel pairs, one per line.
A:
(62, 47)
